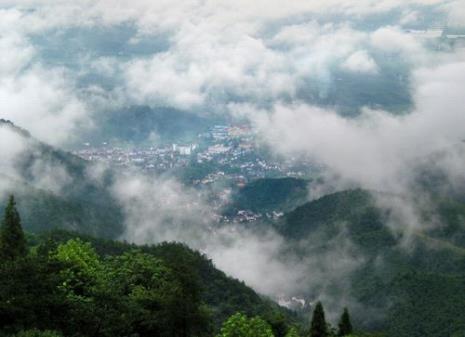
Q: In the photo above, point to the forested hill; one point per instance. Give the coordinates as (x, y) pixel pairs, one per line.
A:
(271, 194)
(411, 279)
(223, 295)
(55, 190)
(82, 286)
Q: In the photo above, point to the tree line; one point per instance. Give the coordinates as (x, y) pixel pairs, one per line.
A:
(66, 289)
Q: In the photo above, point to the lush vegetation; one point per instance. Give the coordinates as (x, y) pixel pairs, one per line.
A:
(410, 285)
(71, 285)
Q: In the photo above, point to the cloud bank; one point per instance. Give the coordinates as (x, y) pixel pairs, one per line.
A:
(63, 65)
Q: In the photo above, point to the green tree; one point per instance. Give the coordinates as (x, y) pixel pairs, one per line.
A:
(148, 287)
(345, 326)
(292, 332)
(12, 241)
(278, 323)
(84, 269)
(163, 301)
(85, 289)
(239, 325)
(318, 327)
(30, 296)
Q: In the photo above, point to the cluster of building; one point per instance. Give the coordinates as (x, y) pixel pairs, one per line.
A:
(223, 158)
(227, 153)
(157, 159)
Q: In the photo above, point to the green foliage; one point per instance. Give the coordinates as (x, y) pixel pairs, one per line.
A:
(84, 270)
(80, 286)
(426, 304)
(38, 333)
(161, 302)
(12, 241)
(318, 327)
(30, 296)
(80, 254)
(239, 325)
(344, 326)
(223, 295)
(278, 322)
(366, 334)
(293, 332)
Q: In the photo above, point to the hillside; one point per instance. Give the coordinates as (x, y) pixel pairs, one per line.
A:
(204, 297)
(55, 189)
(268, 194)
(410, 282)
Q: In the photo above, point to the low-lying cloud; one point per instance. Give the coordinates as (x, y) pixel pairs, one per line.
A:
(160, 209)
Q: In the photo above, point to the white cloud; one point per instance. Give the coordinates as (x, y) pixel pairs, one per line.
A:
(161, 209)
(39, 98)
(455, 10)
(409, 17)
(43, 102)
(360, 62)
(218, 52)
(393, 40)
(376, 148)
(16, 53)
(22, 154)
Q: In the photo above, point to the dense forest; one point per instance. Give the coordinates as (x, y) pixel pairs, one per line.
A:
(65, 284)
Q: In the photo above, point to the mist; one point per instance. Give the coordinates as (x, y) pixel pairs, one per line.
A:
(287, 71)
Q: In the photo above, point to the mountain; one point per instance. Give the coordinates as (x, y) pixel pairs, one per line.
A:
(408, 281)
(55, 189)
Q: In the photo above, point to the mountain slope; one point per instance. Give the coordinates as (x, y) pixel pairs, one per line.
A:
(56, 189)
(223, 294)
(409, 280)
